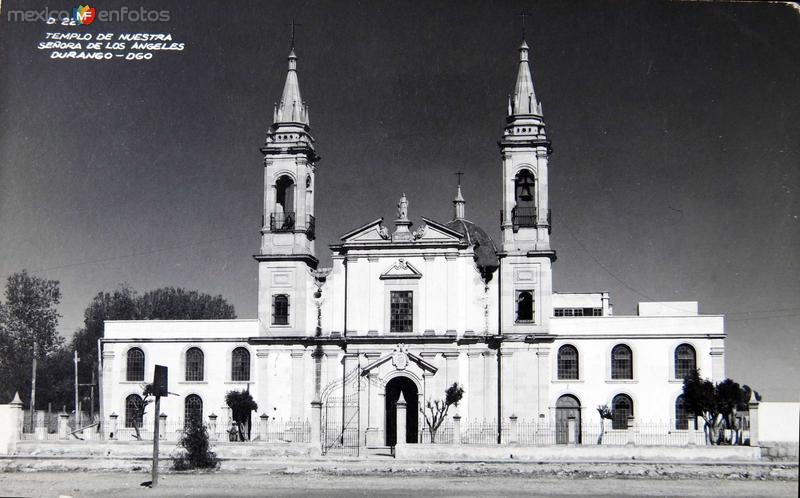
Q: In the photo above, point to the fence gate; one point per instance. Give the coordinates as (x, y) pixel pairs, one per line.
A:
(340, 417)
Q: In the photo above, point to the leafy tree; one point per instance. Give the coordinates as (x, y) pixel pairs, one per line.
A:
(241, 404)
(438, 408)
(120, 304)
(124, 303)
(29, 315)
(197, 454)
(170, 303)
(715, 404)
(605, 414)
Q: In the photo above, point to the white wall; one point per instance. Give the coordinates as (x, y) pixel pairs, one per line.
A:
(778, 422)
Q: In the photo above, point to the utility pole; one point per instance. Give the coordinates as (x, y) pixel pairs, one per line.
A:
(91, 398)
(33, 388)
(77, 406)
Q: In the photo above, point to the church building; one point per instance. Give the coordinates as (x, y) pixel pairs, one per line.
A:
(410, 310)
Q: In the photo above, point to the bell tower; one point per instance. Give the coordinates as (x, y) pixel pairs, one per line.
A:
(526, 221)
(288, 223)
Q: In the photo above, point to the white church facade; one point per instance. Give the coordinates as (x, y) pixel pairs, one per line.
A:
(413, 310)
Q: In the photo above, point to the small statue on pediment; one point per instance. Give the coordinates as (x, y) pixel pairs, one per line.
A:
(402, 208)
(383, 231)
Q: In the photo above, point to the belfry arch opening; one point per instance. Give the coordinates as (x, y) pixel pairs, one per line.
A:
(411, 394)
(283, 217)
(524, 212)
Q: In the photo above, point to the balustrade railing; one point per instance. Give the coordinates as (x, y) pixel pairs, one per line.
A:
(282, 222)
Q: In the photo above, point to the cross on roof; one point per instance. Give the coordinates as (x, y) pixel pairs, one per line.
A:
(293, 25)
(523, 15)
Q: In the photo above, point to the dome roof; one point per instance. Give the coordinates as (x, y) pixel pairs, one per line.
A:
(483, 246)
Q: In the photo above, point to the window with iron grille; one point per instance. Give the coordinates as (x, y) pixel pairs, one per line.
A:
(240, 365)
(133, 412)
(280, 309)
(621, 409)
(621, 362)
(135, 365)
(193, 408)
(567, 363)
(194, 364)
(684, 361)
(525, 306)
(682, 415)
(402, 311)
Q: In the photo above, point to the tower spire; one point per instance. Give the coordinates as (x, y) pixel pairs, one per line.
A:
(459, 203)
(524, 101)
(291, 108)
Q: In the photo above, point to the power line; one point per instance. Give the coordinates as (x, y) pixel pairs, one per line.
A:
(601, 265)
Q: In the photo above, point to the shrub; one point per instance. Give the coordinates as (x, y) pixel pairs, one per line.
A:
(197, 454)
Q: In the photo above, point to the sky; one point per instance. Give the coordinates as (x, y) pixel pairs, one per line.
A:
(674, 176)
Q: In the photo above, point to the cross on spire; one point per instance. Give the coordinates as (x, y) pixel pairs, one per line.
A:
(293, 25)
(523, 15)
(459, 177)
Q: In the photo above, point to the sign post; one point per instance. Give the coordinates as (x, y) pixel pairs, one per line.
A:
(159, 389)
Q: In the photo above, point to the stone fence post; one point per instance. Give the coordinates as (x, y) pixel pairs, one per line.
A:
(162, 424)
(41, 428)
(316, 421)
(753, 407)
(63, 425)
(16, 405)
(113, 425)
(456, 429)
(212, 426)
(263, 427)
(401, 421)
(513, 430)
(631, 430)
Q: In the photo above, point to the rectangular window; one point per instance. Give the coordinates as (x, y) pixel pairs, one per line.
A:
(402, 311)
(280, 309)
(578, 312)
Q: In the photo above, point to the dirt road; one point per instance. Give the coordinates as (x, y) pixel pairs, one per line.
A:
(124, 484)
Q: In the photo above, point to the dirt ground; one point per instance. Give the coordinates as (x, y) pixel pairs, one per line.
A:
(55, 484)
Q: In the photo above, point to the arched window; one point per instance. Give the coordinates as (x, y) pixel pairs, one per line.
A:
(567, 363)
(621, 362)
(525, 306)
(135, 365)
(685, 362)
(280, 309)
(682, 415)
(240, 365)
(133, 411)
(193, 408)
(194, 364)
(621, 409)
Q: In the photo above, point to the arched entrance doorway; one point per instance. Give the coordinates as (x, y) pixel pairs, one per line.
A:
(567, 406)
(410, 393)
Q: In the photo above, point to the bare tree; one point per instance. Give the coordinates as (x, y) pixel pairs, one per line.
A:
(437, 410)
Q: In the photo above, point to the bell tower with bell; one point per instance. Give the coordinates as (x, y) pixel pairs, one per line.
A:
(287, 259)
(525, 216)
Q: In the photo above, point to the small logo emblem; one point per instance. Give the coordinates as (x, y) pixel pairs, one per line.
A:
(83, 14)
